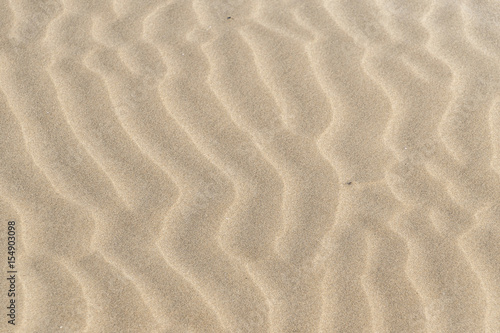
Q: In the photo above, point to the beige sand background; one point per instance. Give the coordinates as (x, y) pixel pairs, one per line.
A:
(251, 166)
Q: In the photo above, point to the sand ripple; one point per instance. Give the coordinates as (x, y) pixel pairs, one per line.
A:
(252, 166)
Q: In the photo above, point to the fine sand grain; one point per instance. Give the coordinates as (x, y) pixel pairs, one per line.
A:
(250, 166)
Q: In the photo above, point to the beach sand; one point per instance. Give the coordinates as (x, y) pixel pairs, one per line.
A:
(250, 166)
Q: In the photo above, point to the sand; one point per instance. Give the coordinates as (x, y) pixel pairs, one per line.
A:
(237, 166)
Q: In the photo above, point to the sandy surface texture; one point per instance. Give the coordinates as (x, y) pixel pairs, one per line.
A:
(250, 166)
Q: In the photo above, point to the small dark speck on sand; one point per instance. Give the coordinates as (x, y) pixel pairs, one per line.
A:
(349, 183)
(229, 17)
